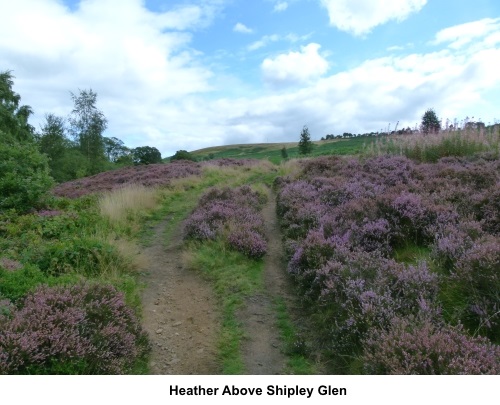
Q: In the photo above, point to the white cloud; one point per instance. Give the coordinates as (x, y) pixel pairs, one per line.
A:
(464, 34)
(358, 17)
(268, 39)
(264, 41)
(136, 60)
(280, 6)
(242, 28)
(295, 67)
(154, 89)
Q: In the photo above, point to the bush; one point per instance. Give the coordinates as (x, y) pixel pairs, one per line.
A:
(82, 329)
(414, 346)
(183, 155)
(24, 177)
(220, 213)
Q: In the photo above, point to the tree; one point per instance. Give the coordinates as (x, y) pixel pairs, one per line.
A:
(145, 155)
(24, 173)
(284, 153)
(183, 155)
(305, 143)
(115, 149)
(13, 117)
(430, 122)
(53, 140)
(87, 125)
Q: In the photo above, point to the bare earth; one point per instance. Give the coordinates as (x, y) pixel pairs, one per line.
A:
(262, 347)
(180, 311)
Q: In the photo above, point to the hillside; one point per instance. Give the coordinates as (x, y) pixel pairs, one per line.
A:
(272, 151)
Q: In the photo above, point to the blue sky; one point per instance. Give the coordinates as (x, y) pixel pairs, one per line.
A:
(190, 74)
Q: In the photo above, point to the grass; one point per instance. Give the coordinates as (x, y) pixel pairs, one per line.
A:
(293, 345)
(272, 151)
(234, 277)
(432, 147)
(123, 204)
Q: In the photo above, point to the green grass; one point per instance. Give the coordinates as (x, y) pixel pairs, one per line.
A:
(411, 254)
(293, 345)
(272, 151)
(233, 277)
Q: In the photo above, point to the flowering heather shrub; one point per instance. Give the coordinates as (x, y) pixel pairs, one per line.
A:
(453, 241)
(82, 329)
(490, 211)
(413, 346)
(478, 274)
(343, 219)
(230, 162)
(146, 175)
(9, 264)
(232, 214)
(248, 242)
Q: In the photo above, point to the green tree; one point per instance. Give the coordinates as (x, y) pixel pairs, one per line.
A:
(284, 153)
(145, 155)
(430, 122)
(24, 172)
(53, 141)
(13, 117)
(183, 155)
(87, 124)
(114, 149)
(305, 143)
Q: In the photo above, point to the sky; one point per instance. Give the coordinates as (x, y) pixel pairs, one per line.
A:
(190, 74)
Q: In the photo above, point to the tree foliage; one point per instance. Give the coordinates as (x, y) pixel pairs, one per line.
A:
(24, 173)
(430, 122)
(144, 155)
(115, 149)
(183, 155)
(13, 116)
(87, 124)
(305, 143)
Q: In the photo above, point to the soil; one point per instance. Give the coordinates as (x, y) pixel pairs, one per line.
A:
(180, 310)
(262, 348)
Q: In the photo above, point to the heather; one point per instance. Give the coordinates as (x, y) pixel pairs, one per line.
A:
(370, 241)
(415, 346)
(60, 246)
(230, 214)
(153, 175)
(80, 329)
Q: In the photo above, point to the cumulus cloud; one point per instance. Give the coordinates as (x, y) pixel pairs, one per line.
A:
(280, 6)
(464, 34)
(295, 67)
(358, 17)
(154, 89)
(242, 28)
(138, 61)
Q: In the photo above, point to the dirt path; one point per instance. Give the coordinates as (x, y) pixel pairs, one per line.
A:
(262, 347)
(180, 312)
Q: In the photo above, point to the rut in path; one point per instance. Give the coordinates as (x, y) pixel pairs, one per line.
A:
(180, 311)
(262, 347)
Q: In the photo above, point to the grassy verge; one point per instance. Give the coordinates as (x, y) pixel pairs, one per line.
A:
(293, 345)
(234, 277)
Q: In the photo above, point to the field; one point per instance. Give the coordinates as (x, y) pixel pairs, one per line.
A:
(371, 256)
(272, 151)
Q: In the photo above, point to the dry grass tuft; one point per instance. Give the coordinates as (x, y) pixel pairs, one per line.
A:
(120, 204)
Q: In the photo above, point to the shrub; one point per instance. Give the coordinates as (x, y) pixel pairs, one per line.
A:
(230, 214)
(24, 177)
(413, 346)
(82, 329)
